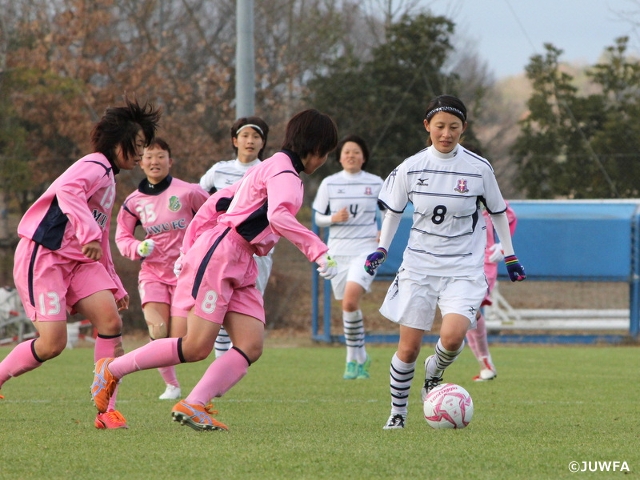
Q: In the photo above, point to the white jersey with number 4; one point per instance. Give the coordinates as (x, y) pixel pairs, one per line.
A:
(358, 193)
(448, 234)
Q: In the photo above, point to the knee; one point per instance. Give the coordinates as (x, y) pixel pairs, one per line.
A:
(195, 351)
(408, 353)
(109, 326)
(452, 342)
(196, 355)
(46, 350)
(349, 304)
(158, 331)
(254, 353)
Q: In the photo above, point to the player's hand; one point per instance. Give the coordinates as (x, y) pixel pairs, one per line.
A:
(177, 267)
(340, 216)
(374, 260)
(516, 271)
(145, 247)
(327, 267)
(123, 303)
(497, 254)
(92, 250)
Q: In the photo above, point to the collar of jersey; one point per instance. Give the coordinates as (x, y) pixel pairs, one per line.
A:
(247, 166)
(114, 167)
(444, 156)
(295, 160)
(352, 175)
(154, 189)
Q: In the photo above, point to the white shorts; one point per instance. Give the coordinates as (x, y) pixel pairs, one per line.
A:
(350, 269)
(412, 298)
(264, 271)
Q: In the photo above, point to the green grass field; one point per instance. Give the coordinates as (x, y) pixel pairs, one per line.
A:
(293, 417)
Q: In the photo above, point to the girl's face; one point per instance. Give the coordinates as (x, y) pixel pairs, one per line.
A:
(312, 162)
(249, 143)
(155, 164)
(351, 157)
(124, 162)
(445, 130)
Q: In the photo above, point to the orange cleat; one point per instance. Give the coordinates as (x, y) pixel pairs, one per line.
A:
(104, 384)
(110, 420)
(196, 416)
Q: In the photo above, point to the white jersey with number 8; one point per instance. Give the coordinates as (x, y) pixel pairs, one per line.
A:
(445, 190)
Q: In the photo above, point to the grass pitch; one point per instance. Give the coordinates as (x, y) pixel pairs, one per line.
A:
(293, 417)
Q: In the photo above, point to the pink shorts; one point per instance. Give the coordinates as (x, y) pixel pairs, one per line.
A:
(219, 276)
(50, 285)
(159, 292)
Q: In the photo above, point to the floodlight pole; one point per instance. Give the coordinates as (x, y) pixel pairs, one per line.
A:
(245, 68)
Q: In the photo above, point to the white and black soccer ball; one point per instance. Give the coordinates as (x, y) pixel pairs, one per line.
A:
(448, 406)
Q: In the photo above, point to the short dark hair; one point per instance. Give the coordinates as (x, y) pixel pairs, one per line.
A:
(355, 139)
(120, 125)
(446, 103)
(310, 133)
(263, 131)
(161, 144)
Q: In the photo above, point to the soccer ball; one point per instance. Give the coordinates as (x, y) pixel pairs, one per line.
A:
(448, 406)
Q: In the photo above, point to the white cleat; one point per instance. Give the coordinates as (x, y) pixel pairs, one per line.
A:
(488, 372)
(171, 393)
(485, 375)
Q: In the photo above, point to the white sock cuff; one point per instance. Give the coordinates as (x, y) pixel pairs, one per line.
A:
(351, 316)
(448, 352)
(400, 365)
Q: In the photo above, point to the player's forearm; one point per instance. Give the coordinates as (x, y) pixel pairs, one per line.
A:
(501, 224)
(390, 225)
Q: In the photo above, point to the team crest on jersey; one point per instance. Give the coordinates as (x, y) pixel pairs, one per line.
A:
(368, 191)
(174, 204)
(461, 187)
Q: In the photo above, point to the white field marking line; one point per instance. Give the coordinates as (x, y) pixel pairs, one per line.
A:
(163, 402)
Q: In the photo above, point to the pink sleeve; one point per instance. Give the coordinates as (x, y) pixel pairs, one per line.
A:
(285, 199)
(73, 197)
(125, 240)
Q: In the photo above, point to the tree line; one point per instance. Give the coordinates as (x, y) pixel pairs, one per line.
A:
(371, 67)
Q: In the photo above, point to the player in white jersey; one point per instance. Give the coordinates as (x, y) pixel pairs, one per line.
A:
(347, 203)
(163, 206)
(443, 263)
(249, 140)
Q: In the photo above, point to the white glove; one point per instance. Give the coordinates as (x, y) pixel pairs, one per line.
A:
(497, 254)
(327, 267)
(177, 267)
(145, 247)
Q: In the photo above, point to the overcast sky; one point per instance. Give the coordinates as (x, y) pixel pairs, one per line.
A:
(508, 32)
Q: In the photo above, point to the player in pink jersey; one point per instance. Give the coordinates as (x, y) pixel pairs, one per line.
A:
(217, 283)
(477, 337)
(163, 206)
(63, 261)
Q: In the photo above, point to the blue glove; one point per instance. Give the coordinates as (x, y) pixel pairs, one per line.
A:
(374, 260)
(516, 271)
